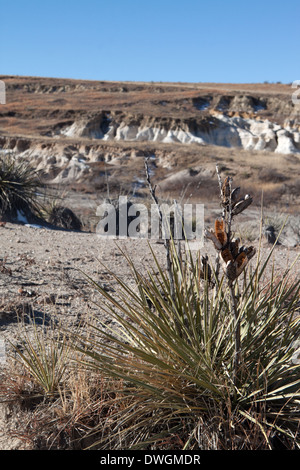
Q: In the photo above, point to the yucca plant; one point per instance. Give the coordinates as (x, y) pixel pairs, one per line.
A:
(177, 357)
(20, 189)
(44, 354)
(202, 355)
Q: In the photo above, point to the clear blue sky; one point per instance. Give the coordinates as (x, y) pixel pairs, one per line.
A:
(157, 40)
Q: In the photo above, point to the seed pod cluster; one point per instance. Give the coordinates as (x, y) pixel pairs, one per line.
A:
(234, 258)
(231, 200)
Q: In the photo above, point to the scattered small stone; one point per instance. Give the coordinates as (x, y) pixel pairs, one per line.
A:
(27, 293)
(50, 299)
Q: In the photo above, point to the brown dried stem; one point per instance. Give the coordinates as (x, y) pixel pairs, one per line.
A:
(152, 190)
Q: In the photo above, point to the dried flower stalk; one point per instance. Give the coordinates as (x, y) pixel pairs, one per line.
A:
(152, 190)
(233, 257)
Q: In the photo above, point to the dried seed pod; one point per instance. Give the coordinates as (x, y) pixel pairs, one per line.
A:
(230, 271)
(226, 187)
(220, 231)
(234, 194)
(227, 255)
(250, 252)
(241, 262)
(234, 247)
(205, 272)
(242, 205)
(211, 236)
(240, 259)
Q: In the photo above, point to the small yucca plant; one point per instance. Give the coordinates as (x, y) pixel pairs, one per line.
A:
(44, 354)
(20, 189)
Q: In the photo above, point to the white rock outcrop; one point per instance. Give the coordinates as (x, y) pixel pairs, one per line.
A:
(63, 160)
(221, 130)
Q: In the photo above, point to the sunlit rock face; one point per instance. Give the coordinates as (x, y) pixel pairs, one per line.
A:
(218, 129)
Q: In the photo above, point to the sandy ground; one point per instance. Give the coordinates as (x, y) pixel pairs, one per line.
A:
(42, 274)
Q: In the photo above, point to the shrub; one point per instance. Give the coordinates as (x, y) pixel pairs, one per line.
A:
(64, 217)
(20, 189)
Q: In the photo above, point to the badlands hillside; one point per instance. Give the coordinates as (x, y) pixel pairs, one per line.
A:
(87, 135)
(89, 139)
